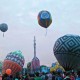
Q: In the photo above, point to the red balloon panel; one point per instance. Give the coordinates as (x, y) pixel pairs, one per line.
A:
(11, 65)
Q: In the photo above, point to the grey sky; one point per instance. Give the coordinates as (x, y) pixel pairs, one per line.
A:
(21, 17)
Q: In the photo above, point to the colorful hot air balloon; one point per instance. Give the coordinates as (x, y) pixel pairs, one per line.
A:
(56, 67)
(44, 18)
(3, 27)
(13, 61)
(67, 51)
(44, 69)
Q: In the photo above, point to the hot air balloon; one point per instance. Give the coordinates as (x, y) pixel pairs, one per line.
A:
(13, 61)
(44, 18)
(44, 69)
(3, 27)
(67, 52)
(56, 67)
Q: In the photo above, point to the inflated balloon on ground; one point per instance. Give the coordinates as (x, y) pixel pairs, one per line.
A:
(56, 67)
(14, 61)
(67, 51)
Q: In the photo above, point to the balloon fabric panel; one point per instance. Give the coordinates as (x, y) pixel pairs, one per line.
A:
(11, 65)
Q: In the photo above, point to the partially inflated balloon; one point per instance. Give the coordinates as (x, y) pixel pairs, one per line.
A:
(67, 51)
(56, 67)
(44, 18)
(13, 61)
(44, 69)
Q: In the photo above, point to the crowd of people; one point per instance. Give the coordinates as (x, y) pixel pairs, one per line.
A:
(44, 76)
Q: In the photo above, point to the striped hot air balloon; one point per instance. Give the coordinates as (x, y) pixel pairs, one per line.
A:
(67, 51)
(13, 61)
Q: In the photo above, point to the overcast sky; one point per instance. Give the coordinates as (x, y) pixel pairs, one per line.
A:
(21, 17)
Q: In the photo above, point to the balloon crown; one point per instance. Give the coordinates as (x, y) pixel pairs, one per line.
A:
(68, 44)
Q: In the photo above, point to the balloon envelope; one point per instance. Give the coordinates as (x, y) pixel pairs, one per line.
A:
(13, 61)
(44, 18)
(3, 27)
(67, 51)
